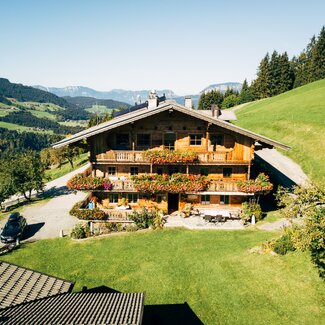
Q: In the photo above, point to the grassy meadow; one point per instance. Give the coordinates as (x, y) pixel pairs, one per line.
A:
(296, 118)
(212, 271)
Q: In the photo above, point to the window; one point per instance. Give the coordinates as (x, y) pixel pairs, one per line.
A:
(195, 139)
(160, 198)
(143, 140)
(134, 171)
(204, 171)
(122, 141)
(227, 172)
(132, 198)
(113, 198)
(224, 199)
(159, 171)
(112, 171)
(169, 140)
(145, 196)
(217, 139)
(205, 199)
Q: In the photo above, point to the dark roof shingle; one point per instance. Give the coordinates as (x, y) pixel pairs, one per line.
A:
(19, 285)
(78, 308)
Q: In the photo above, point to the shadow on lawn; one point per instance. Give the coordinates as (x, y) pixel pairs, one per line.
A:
(170, 314)
(160, 314)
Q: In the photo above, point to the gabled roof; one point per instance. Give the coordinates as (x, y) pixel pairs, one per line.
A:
(164, 106)
(19, 284)
(78, 308)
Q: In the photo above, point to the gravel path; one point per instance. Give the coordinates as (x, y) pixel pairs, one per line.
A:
(47, 219)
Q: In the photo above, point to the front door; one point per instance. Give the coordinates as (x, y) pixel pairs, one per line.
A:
(172, 202)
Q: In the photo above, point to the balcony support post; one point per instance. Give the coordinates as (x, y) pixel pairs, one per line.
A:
(150, 168)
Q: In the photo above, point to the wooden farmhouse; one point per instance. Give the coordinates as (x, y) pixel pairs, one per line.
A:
(151, 152)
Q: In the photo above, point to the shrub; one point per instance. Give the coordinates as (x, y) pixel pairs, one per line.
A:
(131, 227)
(249, 209)
(142, 218)
(87, 214)
(283, 245)
(80, 231)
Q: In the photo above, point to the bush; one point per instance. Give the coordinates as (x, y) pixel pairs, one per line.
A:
(143, 218)
(87, 214)
(283, 245)
(249, 209)
(80, 231)
(131, 227)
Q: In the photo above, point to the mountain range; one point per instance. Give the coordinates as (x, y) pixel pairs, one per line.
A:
(133, 96)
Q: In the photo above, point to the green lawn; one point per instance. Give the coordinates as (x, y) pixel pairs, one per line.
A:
(296, 118)
(210, 270)
(66, 168)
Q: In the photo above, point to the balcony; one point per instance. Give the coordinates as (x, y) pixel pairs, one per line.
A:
(221, 157)
(214, 186)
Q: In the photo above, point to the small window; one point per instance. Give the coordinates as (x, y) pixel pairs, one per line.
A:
(113, 198)
(204, 171)
(205, 199)
(145, 196)
(122, 141)
(227, 172)
(133, 198)
(224, 199)
(143, 140)
(134, 171)
(195, 139)
(112, 171)
(159, 171)
(160, 198)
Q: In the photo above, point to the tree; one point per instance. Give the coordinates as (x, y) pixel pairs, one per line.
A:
(275, 74)
(286, 74)
(317, 64)
(263, 82)
(210, 98)
(26, 173)
(245, 95)
(308, 204)
(230, 101)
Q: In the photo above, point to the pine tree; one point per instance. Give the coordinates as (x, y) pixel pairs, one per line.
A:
(245, 95)
(210, 98)
(275, 74)
(317, 64)
(262, 82)
(286, 74)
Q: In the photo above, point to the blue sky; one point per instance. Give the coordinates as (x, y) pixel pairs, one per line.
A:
(180, 45)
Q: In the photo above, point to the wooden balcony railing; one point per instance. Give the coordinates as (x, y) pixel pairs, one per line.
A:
(214, 186)
(137, 156)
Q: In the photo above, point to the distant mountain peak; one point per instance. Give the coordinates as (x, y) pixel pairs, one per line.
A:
(223, 87)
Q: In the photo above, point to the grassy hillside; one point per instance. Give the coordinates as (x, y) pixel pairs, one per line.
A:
(296, 118)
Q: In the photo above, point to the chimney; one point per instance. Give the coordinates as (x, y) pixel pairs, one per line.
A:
(188, 102)
(215, 110)
(153, 99)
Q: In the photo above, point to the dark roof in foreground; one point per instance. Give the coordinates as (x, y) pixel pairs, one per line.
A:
(163, 106)
(78, 308)
(19, 284)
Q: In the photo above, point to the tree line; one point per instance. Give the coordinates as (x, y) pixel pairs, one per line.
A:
(26, 118)
(276, 74)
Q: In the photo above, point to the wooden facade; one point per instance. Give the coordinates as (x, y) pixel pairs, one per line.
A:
(224, 157)
(224, 154)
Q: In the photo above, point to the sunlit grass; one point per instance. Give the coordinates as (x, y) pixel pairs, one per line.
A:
(210, 270)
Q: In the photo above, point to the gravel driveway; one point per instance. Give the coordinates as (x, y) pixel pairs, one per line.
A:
(47, 219)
